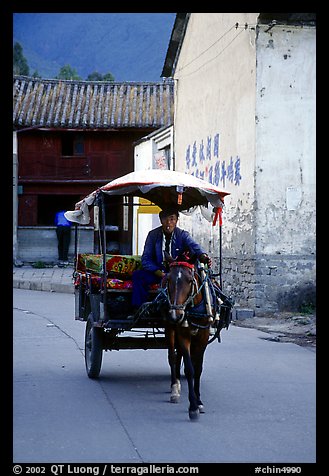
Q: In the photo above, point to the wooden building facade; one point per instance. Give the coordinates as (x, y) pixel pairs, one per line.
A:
(73, 136)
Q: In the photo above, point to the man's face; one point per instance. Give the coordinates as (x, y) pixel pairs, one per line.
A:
(169, 223)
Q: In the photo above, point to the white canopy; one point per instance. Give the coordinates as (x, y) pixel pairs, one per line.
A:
(165, 188)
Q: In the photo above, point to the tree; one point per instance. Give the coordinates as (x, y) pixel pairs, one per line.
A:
(108, 77)
(20, 65)
(67, 72)
(95, 76)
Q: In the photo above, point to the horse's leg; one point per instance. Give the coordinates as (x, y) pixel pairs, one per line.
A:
(175, 380)
(198, 347)
(178, 367)
(197, 361)
(189, 372)
(172, 360)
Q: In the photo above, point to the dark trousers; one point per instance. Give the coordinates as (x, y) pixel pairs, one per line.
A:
(141, 282)
(63, 238)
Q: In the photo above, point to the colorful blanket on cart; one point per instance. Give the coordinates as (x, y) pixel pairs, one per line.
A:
(117, 266)
(119, 270)
(95, 281)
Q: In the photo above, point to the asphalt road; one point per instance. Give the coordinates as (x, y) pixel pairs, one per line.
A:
(259, 397)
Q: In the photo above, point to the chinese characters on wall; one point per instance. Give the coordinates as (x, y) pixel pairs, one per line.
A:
(203, 160)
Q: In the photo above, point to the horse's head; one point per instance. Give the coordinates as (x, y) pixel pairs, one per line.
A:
(181, 285)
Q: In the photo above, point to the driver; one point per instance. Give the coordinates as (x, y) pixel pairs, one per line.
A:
(167, 237)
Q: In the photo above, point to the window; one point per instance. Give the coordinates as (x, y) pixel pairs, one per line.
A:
(72, 145)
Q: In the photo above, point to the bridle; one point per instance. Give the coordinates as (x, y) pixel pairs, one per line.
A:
(173, 307)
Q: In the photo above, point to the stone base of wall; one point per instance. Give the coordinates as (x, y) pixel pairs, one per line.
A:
(270, 283)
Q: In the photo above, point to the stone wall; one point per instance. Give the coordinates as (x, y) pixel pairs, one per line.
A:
(270, 283)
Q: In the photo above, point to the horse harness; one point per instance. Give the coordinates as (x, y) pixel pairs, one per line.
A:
(195, 291)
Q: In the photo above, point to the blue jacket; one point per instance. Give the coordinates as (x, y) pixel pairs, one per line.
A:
(60, 219)
(152, 258)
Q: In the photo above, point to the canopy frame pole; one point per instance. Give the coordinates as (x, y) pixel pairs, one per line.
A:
(75, 246)
(103, 251)
(220, 257)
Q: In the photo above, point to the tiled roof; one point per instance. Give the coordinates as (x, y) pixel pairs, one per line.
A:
(65, 104)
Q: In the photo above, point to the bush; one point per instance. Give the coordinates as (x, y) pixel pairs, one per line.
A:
(307, 308)
(39, 265)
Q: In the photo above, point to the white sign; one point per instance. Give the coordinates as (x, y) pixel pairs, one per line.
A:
(293, 197)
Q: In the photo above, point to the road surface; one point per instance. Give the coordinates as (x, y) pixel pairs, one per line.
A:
(259, 397)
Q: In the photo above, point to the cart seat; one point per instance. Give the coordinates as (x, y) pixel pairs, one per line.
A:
(117, 266)
(111, 283)
(119, 271)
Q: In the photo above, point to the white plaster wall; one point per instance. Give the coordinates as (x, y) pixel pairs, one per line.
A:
(143, 154)
(285, 144)
(15, 199)
(255, 93)
(215, 100)
(143, 160)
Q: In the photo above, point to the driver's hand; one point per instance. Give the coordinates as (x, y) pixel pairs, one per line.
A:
(204, 258)
(159, 273)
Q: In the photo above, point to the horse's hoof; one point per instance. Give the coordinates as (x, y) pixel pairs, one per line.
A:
(201, 409)
(194, 414)
(175, 393)
(174, 398)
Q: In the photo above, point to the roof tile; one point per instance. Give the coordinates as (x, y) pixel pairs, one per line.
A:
(91, 104)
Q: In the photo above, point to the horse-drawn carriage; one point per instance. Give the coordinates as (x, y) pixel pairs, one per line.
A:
(182, 314)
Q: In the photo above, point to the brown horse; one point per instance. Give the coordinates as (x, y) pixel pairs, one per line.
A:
(187, 336)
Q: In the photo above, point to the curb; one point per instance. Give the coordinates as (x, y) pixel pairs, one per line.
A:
(36, 285)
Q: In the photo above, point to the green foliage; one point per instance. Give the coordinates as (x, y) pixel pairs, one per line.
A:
(67, 72)
(108, 77)
(95, 76)
(307, 308)
(39, 265)
(20, 65)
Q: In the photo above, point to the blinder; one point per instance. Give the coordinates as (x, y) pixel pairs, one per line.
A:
(179, 317)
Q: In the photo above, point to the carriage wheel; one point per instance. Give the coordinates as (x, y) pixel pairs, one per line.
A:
(93, 349)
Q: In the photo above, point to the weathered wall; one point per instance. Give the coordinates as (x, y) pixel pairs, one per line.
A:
(285, 164)
(215, 127)
(244, 120)
(285, 141)
(149, 153)
(15, 201)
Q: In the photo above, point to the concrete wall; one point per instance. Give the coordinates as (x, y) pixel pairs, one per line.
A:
(15, 197)
(244, 120)
(285, 145)
(285, 163)
(215, 124)
(148, 155)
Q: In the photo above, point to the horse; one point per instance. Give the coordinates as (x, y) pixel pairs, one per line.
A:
(187, 336)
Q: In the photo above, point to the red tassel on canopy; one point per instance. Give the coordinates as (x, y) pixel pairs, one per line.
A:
(218, 216)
